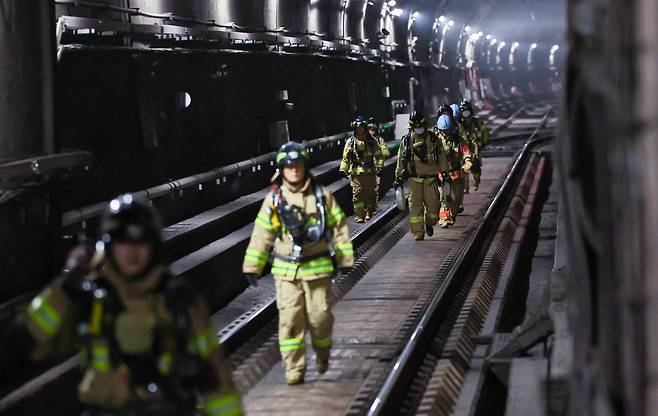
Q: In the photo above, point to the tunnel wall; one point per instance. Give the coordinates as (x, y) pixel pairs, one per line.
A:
(155, 113)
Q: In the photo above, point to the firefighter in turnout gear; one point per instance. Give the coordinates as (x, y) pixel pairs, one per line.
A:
(463, 157)
(450, 185)
(298, 224)
(477, 137)
(419, 158)
(373, 129)
(146, 344)
(363, 162)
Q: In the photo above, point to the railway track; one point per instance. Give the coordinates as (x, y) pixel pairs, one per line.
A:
(246, 336)
(391, 386)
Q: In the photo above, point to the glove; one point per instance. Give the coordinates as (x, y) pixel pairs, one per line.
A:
(252, 279)
(467, 165)
(341, 271)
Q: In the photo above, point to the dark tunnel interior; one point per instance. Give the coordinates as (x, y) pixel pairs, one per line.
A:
(182, 102)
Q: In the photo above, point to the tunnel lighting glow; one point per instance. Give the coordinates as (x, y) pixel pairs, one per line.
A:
(397, 12)
(467, 29)
(480, 34)
(493, 41)
(488, 37)
(515, 45)
(502, 44)
(415, 15)
(442, 19)
(392, 3)
(451, 23)
(555, 48)
(533, 46)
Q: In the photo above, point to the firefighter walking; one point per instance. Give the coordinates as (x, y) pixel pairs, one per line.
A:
(362, 162)
(449, 174)
(298, 224)
(373, 129)
(478, 137)
(419, 158)
(146, 343)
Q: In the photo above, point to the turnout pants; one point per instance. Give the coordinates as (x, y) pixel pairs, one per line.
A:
(445, 212)
(423, 204)
(303, 304)
(364, 193)
(457, 189)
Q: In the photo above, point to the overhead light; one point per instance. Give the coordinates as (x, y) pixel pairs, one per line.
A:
(451, 23)
(392, 3)
(555, 48)
(415, 15)
(493, 41)
(467, 29)
(533, 46)
(488, 37)
(397, 12)
(515, 45)
(442, 19)
(480, 33)
(502, 44)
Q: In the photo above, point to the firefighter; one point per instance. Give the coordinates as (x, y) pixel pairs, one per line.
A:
(147, 345)
(363, 162)
(373, 129)
(478, 138)
(463, 154)
(300, 222)
(419, 158)
(449, 175)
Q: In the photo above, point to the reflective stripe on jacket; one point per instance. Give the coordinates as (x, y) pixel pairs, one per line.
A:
(269, 236)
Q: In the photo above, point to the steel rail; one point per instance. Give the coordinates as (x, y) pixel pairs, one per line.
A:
(394, 388)
(241, 332)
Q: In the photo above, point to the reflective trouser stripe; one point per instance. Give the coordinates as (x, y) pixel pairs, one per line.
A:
(416, 219)
(224, 405)
(292, 344)
(100, 356)
(322, 342)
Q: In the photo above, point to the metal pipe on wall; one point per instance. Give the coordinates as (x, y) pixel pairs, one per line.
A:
(26, 72)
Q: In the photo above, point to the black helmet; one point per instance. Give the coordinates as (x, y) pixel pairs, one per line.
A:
(291, 152)
(417, 120)
(444, 109)
(372, 124)
(129, 220)
(359, 121)
(466, 108)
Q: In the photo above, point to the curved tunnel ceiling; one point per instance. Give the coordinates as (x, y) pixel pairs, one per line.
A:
(509, 20)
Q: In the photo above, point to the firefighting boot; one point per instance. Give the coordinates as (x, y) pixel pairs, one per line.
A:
(419, 237)
(294, 378)
(368, 215)
(429, 230)
(322, 365)
(359, 220)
